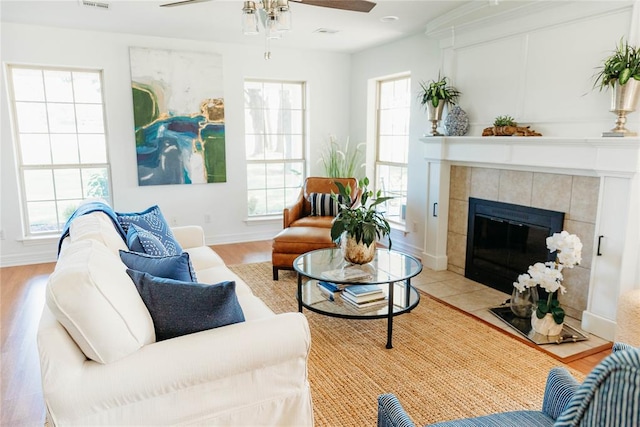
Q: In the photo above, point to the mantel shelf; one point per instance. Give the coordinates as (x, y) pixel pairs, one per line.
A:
(583, 155)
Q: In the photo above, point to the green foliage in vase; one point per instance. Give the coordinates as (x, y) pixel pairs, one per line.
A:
(341, 163)
(623, 64)
(433, 91)
(359, 217)
(505, 121)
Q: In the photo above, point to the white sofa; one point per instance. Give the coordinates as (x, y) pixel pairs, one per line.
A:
(248, 373)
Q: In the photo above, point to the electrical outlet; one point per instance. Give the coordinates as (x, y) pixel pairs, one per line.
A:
(174, 221)
(1, 234)
(415, 226)
(207, 219)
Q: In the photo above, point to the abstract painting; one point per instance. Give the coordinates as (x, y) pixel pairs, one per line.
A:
(178, 110)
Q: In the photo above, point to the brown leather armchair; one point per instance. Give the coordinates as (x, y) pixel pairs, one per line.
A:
(303, 232)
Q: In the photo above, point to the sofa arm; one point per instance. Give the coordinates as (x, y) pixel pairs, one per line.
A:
(560, 388)
(189, 236)
(391, 413)
(294, 212)
(247, 373)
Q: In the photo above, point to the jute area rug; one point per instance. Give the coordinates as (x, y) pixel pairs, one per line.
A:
(444, 364)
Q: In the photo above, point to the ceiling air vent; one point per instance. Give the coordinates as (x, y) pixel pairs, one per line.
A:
(94, 4)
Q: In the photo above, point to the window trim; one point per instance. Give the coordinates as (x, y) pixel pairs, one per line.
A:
(376, 161)
(27, 234)
(304, 152)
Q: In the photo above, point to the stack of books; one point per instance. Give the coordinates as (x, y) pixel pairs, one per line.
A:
(364, 296)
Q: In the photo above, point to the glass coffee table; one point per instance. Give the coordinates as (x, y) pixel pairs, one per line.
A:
(391, 270)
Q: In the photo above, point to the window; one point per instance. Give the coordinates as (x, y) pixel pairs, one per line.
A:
(394, 102)
(274, 140)
(61, 148)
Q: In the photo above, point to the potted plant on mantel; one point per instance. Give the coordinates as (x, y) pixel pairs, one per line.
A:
(621, 73)
(433, 96)
(359, 224)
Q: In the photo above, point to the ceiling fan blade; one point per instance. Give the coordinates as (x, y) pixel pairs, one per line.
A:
(182, 3)
(352, 5)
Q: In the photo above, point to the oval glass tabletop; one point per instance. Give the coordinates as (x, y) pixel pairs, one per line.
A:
(329, 264)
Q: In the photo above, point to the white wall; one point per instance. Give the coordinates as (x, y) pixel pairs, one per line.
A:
(536, 65)
(421, 58)
(327, 75)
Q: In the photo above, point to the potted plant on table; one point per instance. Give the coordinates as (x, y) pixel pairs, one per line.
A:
(359, 224)
(433, 96)
(621, 72)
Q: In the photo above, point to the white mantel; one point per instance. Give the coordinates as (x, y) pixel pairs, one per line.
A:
(615, 161)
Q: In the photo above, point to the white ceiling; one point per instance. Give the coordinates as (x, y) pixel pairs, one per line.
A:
(219, 20)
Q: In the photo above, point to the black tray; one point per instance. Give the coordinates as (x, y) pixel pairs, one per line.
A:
(523, 326)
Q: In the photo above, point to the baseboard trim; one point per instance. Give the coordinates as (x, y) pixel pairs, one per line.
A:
(598, 325)
(433, 262)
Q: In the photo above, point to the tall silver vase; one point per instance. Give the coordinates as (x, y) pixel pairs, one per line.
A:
(624, 99)
(434, 115)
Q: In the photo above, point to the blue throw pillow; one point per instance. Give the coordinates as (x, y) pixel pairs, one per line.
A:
(153, 221)
(177, 267)
(179, 308)
(140, 240)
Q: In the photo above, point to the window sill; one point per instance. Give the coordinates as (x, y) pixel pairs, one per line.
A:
(38, 240)
(255, 220)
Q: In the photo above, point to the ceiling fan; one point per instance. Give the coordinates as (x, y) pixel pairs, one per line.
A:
(352, 5)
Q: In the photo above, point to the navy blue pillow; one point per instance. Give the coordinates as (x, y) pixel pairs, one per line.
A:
(179, 308)
(153, 221)
(176, 267)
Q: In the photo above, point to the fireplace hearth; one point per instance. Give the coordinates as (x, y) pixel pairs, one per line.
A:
(503, 239)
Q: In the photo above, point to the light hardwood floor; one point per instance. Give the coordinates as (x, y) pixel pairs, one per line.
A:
(21, 301)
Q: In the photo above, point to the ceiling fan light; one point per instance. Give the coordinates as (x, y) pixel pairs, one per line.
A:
(284, 21)
(249, 19)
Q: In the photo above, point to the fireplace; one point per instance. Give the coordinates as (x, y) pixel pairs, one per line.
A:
(503, 239)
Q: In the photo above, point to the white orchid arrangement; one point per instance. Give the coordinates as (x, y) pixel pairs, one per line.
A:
(549, 274)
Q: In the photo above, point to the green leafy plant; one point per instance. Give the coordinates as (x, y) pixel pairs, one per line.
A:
(341, 163)
(505, 121)
(623, 64)
(434, 91)
(359, 217)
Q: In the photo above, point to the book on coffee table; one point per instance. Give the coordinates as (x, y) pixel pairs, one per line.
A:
(377, 300)
(363, 290)
(349, 274)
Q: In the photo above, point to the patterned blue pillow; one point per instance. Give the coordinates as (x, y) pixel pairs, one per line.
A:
(141, 240)
(322, 204)
(153, 221)
(177, 267)
(179, 308)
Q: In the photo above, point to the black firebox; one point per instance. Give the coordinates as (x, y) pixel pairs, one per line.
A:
(503, 239)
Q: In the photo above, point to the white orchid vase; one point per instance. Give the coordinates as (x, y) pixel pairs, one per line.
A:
(549, 276)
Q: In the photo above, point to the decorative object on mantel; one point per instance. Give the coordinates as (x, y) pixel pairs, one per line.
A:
(435, 94)
(359, 224)
(457, 122)
(548, 318)
(621, 72)
(506, 126)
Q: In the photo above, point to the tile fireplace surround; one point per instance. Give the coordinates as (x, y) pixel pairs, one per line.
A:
(594, 181)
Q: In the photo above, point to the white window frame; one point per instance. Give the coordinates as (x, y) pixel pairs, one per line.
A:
(293, 191)
(400, 219)
(22, 167)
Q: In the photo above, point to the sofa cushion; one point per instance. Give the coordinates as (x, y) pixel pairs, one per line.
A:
(322, 204)
(141, 240)
(97, 226)
(177, 267)
(91, 295)
(180, 308)
(153, 221)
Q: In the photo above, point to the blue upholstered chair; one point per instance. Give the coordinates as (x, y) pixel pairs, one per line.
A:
(609, 396)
